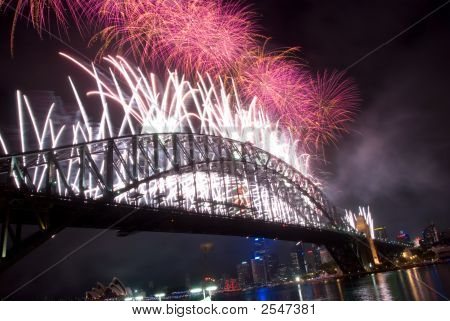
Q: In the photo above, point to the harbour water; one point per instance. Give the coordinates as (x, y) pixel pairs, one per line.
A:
(421, 283)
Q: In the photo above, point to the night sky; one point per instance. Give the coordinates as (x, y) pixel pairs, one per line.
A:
(395, 159)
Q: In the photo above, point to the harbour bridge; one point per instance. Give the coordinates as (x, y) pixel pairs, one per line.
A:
(171, 182)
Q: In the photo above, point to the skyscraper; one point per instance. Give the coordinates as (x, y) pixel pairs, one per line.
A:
(259, 245)
(295, 265)
(297, 260)
(282, 274)
(272, 263)
(325, 256)
(430, 235)
(259, 271)
(402, 236)
(312, 258)
(270, 259)
(244, 274)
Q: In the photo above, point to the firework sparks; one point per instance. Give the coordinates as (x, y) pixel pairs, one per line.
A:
(149, 107)
(281, 86)
(193, 35)
(205, 35)
(351, 218)
(211, 37)
(37, 11)
(333, 100)
(179, 106)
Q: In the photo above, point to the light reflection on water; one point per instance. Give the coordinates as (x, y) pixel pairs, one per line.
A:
(424, 283)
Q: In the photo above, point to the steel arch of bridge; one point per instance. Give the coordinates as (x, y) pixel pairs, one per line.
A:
(202, 174)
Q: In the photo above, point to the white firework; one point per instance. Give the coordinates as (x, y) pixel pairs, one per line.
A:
(351, 218)
(180, 106)
(133, 103)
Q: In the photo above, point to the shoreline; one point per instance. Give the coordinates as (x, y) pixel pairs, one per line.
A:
(395, 268)
(340, 277)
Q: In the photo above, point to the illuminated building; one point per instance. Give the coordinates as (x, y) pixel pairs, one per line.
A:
(259, 245)
(244, 274)
(316, 253)
(312, 258)
(297, 260)
(259, 271)
(380, 233)
(403, 237)
(116, 290)
(295, 264)
(430, 235)
(282, 273)
(325, 256)
(363, 227)
(271, 261)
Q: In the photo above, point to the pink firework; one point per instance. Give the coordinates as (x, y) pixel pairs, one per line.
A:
(189, 35)
(279, 83)
(205, 35)
(333, 102)
(127, 26)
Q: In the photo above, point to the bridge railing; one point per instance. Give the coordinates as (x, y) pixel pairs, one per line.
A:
(198, 173)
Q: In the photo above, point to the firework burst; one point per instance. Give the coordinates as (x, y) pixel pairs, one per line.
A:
(190, 36)
(333, 100)
(280, 84)
(204, 35)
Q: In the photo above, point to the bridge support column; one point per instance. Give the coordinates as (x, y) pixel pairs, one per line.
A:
(20, 210)
(351, 255)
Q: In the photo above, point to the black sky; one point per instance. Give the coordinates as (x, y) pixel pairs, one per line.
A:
(396, 158)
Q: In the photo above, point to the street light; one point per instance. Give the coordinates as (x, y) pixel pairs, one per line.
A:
(160, 295)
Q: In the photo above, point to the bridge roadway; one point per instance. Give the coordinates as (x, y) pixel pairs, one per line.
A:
(175, 182)
(350, 250)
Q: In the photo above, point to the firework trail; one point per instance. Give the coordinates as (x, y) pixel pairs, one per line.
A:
(39, 11)
(134, 102)
(207, 107)
(351, 218)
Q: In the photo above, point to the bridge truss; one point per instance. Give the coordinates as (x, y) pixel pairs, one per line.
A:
(216, 185)
(198, 173)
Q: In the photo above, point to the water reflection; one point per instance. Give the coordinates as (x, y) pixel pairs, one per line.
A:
(383, 287)
(300, 296)
(424, 283)
(339, 287)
